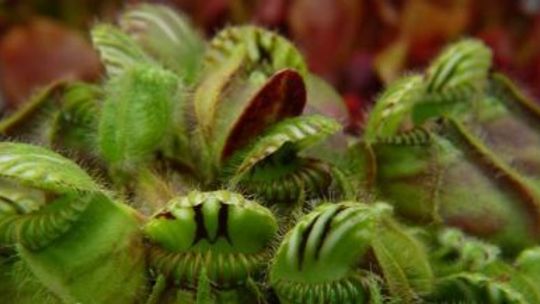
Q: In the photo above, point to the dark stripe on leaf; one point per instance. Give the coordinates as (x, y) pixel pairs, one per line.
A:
(223, 219)
(200, 233)
(326, 230)
(12, 204)
(303, 241)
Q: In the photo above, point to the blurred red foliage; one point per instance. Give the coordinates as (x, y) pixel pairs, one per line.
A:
(360, 45)
(39, 52)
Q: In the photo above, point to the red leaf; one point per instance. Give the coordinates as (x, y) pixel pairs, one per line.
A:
(282, 96)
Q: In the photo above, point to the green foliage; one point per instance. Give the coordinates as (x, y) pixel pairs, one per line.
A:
(392, 108)
(430, 138)
(214, 187)
(318, 261)
(300, 132)
(103, 246)
(41, 168)
(136, 115)
(167, 36)
(222, 220)
(217, 237)
(41, 193)
(470, 270)
(53, 212)
(463, 66)
(75, 125)
(265, 51)
(117, 50)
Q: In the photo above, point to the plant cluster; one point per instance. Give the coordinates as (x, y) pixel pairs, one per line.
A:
(212, 175)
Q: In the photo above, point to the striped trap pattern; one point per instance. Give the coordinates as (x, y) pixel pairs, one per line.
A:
(459, 72)
(220, 232)
(117, 50)
(261, 46)
(301, 132)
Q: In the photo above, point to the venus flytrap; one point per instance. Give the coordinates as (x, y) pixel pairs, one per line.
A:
(217, 237)
(200, 122)
(53, 212)
(283, 176)
(64, 116)
(75, 124)
(143, 100)
(445, 169)
(118, 51)
(166, 36)
(135, 116)
(332, 254)
(209, 160)
(429, 145)
(455, 80)
(470, 270)
(250, 79)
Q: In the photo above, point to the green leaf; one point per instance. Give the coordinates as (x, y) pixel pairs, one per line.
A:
(35, 218)
(454, 80)
(393, 108)
(34, 118)
(38, 228)
(40, 168)
(301, 132)
(528, 262)
(210, 91)
(167, 36)
(118, 51)
(318, 260)
(75, 126)
(476, 287)
(136, 114)
(462, 66)
(404, 262)
(101, 259)
(204, 291)
(266, 51)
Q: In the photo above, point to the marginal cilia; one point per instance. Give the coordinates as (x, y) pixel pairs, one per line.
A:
(207, 172)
